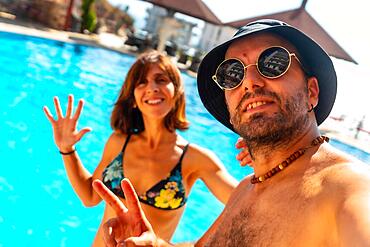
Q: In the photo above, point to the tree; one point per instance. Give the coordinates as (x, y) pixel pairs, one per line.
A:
(89, 19)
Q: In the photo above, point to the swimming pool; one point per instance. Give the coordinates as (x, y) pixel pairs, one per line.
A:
(38, 206)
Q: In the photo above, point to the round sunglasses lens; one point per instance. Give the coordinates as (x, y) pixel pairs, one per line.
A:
(230, 73)
(273, 62)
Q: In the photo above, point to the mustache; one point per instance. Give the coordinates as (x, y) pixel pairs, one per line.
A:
(258, 93)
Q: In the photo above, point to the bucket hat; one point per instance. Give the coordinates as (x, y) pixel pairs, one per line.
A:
(312, 56)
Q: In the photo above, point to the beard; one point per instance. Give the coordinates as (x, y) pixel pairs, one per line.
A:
(262, 130)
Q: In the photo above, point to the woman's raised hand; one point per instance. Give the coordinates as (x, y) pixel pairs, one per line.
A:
(130, 227)
(65, 127)
(244, 155)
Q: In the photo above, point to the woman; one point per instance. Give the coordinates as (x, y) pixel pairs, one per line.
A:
(144, 147)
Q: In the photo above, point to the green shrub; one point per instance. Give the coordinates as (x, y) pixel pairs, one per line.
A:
(89, 19)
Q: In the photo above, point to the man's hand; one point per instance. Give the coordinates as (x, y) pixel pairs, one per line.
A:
(130, 227)
(243, 156)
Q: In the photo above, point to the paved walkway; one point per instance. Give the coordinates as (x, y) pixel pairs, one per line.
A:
(104, 40)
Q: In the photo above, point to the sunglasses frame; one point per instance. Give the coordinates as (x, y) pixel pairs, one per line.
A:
(214, 78)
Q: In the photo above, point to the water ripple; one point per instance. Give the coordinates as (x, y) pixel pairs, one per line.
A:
(5, 186)
(54, 189)
(72, 221)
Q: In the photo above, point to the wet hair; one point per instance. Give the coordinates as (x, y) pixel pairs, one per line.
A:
(128, 119)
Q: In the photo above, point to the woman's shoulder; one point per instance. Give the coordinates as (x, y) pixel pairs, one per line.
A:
(197, 150)
(193, 149)
(202, 157)
(116, 139)
(117, 136)
(112, 148)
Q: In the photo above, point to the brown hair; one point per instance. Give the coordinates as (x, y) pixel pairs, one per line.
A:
(128, 119)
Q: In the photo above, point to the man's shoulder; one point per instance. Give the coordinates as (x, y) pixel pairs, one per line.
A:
(343, 165)
(347, 177)
(350, 170)
(243, 186)
(340, 172)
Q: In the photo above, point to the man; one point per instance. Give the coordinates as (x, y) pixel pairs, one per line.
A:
(272, 85)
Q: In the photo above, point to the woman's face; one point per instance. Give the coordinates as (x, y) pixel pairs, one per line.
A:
(154, 96)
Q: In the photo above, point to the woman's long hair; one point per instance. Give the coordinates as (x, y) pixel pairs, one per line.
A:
(127, 118)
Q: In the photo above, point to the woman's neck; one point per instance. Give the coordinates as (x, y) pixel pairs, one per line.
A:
(155, 134)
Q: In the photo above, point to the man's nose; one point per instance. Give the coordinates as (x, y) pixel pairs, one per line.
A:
(252, 78)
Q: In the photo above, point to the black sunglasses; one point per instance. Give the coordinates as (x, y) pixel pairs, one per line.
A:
(271, 63)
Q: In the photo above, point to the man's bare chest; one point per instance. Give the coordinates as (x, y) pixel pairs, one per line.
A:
(290, 219)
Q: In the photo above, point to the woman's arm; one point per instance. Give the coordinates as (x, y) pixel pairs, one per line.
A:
(209, 168)
(65, 137)
(81, 179)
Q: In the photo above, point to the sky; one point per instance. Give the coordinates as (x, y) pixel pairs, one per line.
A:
(345, 21)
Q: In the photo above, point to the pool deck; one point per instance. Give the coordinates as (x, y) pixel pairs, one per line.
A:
(341, 132)
(9, 23)
(349, 140)
(104, 40)
(113, 42)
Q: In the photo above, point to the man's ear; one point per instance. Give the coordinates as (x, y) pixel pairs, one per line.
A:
(313, 90)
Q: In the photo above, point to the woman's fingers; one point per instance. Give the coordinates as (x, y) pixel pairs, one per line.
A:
(70, 106)
(78, 109)
(58, 109)
(82, 132)
(244, 157)
(240, 143)
(244, 153)
(109, 197)
(245, 161)
(48, 114)
(69, 110)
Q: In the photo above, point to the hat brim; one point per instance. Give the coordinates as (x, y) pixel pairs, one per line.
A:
(312, 56)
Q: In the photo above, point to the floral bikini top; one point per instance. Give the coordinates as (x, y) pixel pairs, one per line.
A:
(167, 194)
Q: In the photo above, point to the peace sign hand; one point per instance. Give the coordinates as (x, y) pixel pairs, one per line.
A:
(131, 226)
(64, 128)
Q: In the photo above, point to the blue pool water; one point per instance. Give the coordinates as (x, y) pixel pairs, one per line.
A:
(37, 204)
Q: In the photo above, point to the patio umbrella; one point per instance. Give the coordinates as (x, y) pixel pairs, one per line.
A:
(301, 19)
(194, 8)
(170, 26)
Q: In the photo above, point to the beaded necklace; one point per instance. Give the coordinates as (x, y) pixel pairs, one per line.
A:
(317, 141)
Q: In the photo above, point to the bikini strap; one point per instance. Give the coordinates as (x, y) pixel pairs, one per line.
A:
(183, 153)
(126, 142)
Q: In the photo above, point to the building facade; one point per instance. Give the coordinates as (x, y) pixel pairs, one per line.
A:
(213, 35)
(155, 18)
